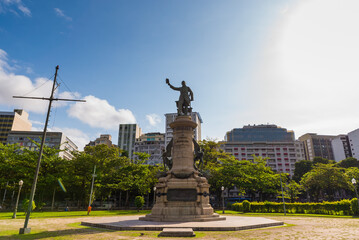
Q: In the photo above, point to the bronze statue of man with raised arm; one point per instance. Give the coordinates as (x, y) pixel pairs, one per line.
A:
(186, 96)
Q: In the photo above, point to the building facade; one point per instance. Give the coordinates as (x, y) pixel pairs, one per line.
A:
(56, 140)
(267, 141)
(259, 133)
(153, 144)
(353, 137)
(127, 136)
(103, 139)
(13, 121)
(317, 146)
(299, 148)
(170, 117)
(341, 147)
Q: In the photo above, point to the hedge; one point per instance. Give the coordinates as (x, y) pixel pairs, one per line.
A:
(343, 207)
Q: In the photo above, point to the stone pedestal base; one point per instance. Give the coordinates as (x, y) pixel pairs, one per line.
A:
(182, 196)
(182, 200)
(24, 230)
(177, 232)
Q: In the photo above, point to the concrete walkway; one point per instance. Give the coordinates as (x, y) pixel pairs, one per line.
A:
(232, 223)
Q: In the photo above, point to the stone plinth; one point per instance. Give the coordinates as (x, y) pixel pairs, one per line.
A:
(177, 232)
(232, 223)
(182, 196)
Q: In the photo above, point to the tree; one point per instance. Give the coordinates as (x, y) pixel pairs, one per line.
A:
(325, 179)
(250, 177)
(348, 162)
(301, 168)
(25, 205)
(292, 190)
(321, 160)
(351, 173)
(139, 202)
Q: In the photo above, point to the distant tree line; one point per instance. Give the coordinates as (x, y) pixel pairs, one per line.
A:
(120, 179)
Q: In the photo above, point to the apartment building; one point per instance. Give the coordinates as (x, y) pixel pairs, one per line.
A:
(153, 144)
(127, 136)
(341, 147)
(353, 138)
(56, 140)
(267, 141)
(103, 139)
(13, 121)
(317, 146)
(170, 117)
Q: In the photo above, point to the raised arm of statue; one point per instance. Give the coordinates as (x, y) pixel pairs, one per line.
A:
(169, 84)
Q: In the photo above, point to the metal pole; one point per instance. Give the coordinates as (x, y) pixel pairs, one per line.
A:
(53, 200)
(108, 202)
(281, 187)
(223, 200)
(17, 201)
(33, 188)
(356, 192)
(154, 196)
(93, 179)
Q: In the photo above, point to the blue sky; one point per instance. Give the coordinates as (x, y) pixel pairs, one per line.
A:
(247, 62)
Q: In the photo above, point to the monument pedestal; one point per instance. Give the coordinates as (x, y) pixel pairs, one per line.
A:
(182, 196)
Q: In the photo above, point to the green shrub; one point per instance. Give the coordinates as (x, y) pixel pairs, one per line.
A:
(139, 202)
(343, 207)
(25, 205)
(246, 206)
(354, 206)
(237, 207)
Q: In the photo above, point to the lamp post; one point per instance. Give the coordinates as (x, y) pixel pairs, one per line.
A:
(93, 179)
(222, 188)
(355, 188)
(154, 195)
(21, 182)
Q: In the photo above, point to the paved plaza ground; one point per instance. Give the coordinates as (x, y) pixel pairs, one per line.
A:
(297, 227)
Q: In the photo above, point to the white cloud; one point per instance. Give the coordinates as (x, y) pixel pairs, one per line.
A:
(60, 13)
(29, 70)
(153, 119)
(20, 85)
(7, 5)
(34, 122)
(66, 95)
(99, 113)
(308, 77)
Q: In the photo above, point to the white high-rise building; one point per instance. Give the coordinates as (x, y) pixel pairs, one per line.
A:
(170, 117)
(341, 147)
(127, 136)
(56, 140)
(354, 143)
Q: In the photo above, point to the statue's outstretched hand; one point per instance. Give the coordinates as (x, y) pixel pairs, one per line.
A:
(167, 81)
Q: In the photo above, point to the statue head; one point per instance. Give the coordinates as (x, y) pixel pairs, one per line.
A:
(183, 83)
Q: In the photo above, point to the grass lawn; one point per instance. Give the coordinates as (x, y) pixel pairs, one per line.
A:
(21, 215)
(66, 225)
(230, 212)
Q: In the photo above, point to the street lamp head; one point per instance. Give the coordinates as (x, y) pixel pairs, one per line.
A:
(21, 182)
(354, 181)
(222, 188)
(154, 188)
